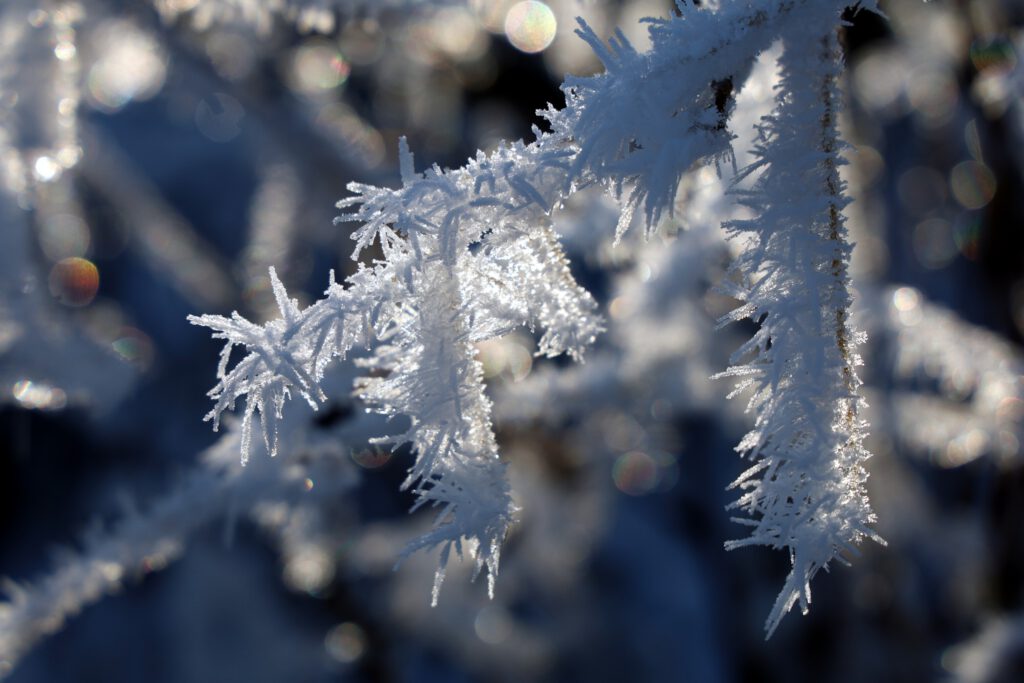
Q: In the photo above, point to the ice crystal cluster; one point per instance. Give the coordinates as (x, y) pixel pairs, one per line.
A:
(469, 254)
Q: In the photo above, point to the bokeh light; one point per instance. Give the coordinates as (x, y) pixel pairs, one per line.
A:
(869, 164)
(37, 18)
(65, 50)
(996, 54)
(346, 642)
(130, 65)
(492, 625)
(878, 81)
(317, 67)
(932, 92)
(973, 184)
(154, 562)
(134, 346)
(74, 281)
(455, 33)
(530, 26)
(507, 356)
(310, 570)
(69, 155)
(907, 302)
(963, 449)
(38, 395)
(46, 169)
(1011, 409)
(371, 458)
(636, 473)
(313, 19)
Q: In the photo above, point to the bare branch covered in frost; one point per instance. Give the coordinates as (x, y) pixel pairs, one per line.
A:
(426, 304)
(469, 254)
(805, 492)
(145, 541)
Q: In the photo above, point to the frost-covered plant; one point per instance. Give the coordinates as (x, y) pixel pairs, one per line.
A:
(959, 390)
(38, 143)
(142, 541)
(806, 491)
(470, 254)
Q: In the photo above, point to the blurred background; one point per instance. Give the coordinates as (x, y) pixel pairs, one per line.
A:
(158, 157)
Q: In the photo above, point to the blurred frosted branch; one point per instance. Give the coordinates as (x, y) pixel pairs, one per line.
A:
(314, 467)
(960, 387)
(47, 360)
(993, 655)
(164, 239)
